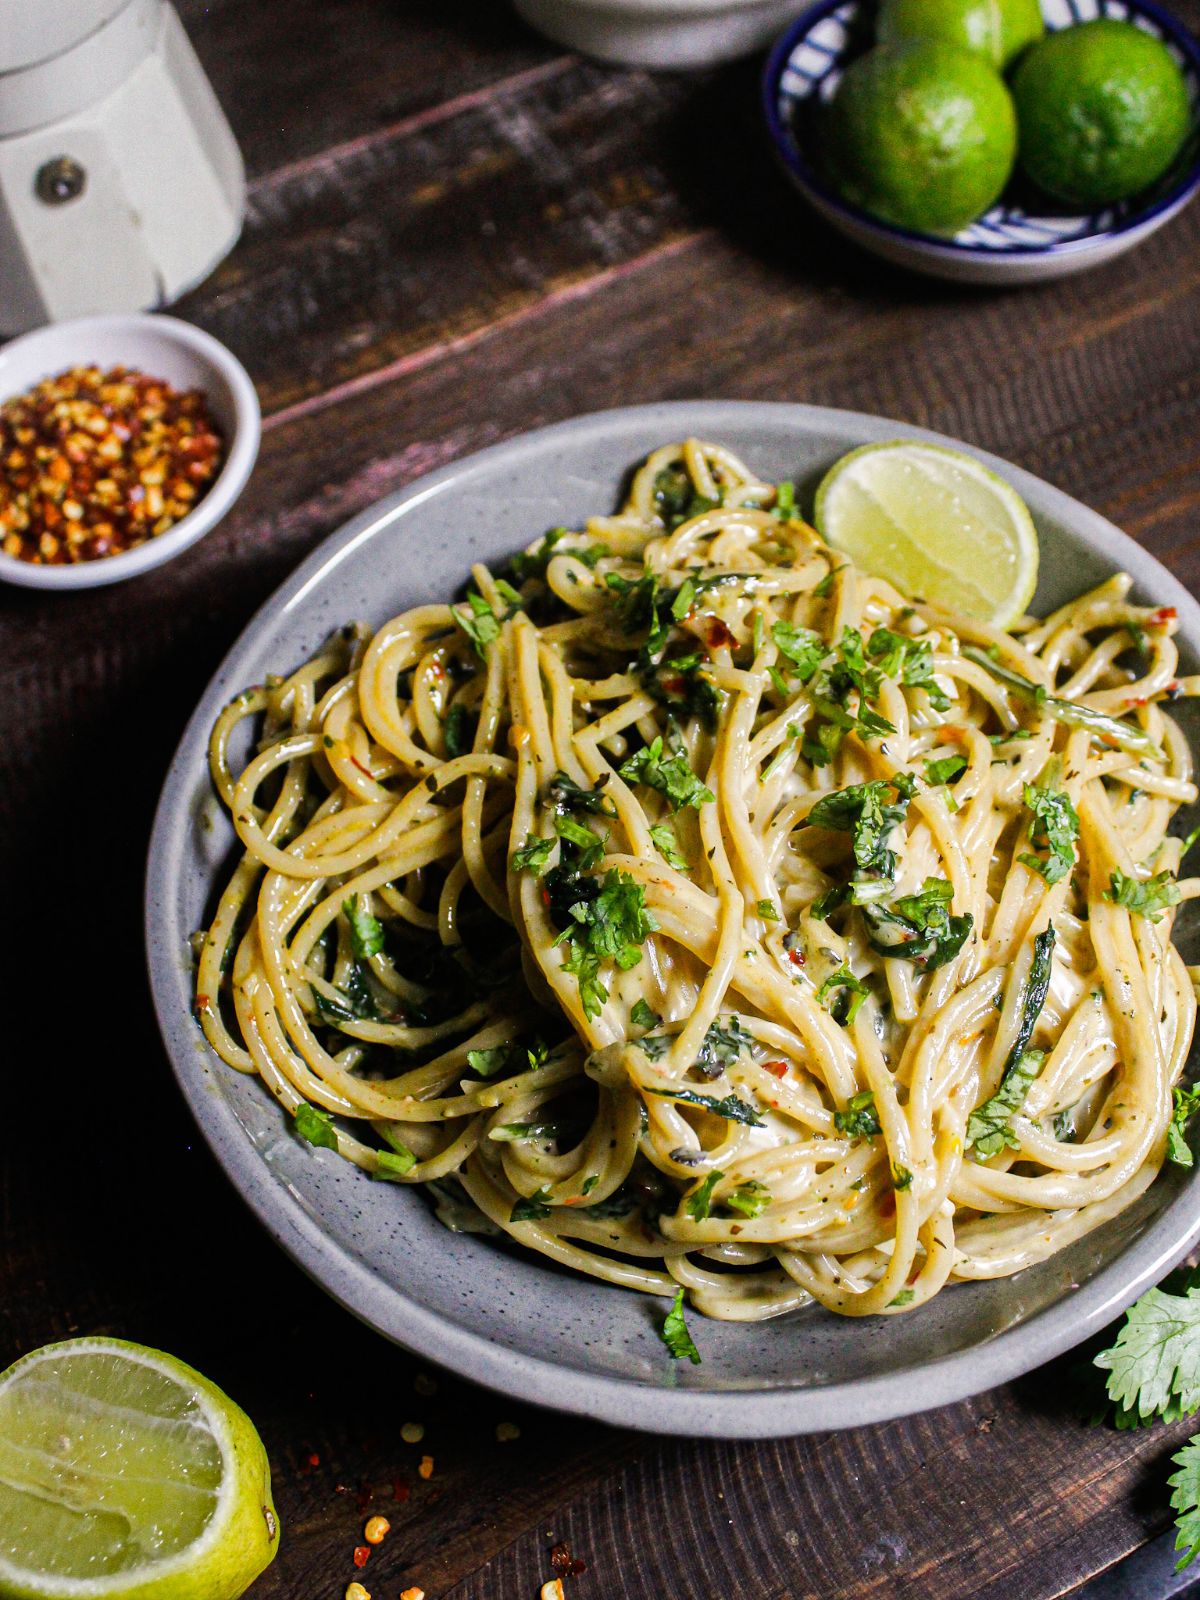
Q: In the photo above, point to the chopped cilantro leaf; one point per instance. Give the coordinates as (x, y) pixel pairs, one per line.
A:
(663, 837)
(518, 1132)
(315, 1125)
(532, 1208)
(480, 623)
(589, 844)
(564, 794)
(945, 770)
(731, 1108)
(674, 1333)
(1185, 1502)
(724, 1042)
(533, 564)
(859, 1119)
(532, 856)
(644, 1016)
(671, 776)
(785, 501)
(1055, 826)
(901, 1178)
(767, 911)
(394, 1163)
(366, 931)
(612, 925)
(1148, 897)
(802, 648)
(458, 729)
(487, 1063)
(750, 1199)
(918, 927)
(842, 995)
(988, 1127)
(699, 1202)
(861, 811)
(1185, 1101)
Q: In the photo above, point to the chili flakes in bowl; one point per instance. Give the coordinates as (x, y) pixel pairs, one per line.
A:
(93, 463)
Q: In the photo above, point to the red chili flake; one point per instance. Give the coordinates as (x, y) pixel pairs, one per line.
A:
(362, 1554)
(314, 1459)
(719, 636)
(1162, 615)
(93, 463)
(565, 1565)
(672, 683)
(400, 1491)
(1138, 700)
(203, 1003)
(366, 771)
(798, 957)
(777, 1069)
(1174, 689)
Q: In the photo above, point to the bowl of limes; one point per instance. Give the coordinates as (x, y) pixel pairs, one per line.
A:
(989, 141)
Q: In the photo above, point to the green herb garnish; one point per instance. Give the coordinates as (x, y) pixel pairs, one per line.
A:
(315, 1125)
(859, 1119)
(670, 775)
(674, 1333)
(366, 931)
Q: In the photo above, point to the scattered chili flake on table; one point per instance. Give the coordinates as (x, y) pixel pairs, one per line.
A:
(425, 1470)
(93, 463)
(564, 1563)
(362, 1554)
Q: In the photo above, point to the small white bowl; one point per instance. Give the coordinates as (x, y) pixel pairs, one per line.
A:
(661, 33)
(166, 348)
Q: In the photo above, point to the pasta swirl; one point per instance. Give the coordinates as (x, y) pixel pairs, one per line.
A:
(696, 910)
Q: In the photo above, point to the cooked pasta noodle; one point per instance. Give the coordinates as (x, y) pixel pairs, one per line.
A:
(696, 910)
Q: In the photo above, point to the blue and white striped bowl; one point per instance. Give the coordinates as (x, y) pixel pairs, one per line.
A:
(1021, 239)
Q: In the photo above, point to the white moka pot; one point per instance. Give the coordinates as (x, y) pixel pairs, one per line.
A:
(121, 184)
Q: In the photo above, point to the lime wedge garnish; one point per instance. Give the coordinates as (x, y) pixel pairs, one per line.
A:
(127, 1475)
(937, 524)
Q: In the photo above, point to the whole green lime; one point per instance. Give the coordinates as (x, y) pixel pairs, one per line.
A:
(997, 29)
(921, 134)
(1103, 111)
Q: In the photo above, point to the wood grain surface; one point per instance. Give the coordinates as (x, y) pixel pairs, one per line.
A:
(455, 233)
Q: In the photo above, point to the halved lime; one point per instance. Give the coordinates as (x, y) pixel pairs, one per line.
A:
(126, 1475)
(936, 523)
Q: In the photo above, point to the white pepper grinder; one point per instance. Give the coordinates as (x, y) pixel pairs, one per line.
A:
(121, 184)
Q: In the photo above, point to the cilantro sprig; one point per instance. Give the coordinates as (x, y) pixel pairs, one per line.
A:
(366, 931)
(1055, 826)
(674, 1333)
(1144, 897)
(989, 1128)
(919, 927)
(669, 775)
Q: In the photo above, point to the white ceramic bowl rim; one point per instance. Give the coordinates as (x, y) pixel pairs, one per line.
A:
(241, 452)
(788, 149)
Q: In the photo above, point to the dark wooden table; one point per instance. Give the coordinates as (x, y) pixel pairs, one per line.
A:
(456, 233)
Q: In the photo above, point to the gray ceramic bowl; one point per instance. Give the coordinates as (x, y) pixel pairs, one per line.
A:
(511, 1321)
